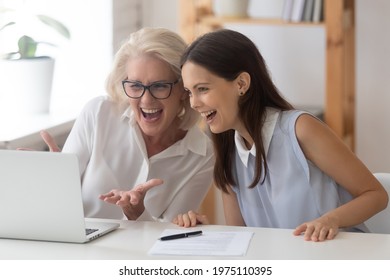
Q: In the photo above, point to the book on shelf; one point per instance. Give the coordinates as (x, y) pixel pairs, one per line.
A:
(287, 9)
(297, 10)
(318, 11)
(308, 10)
(303, 10)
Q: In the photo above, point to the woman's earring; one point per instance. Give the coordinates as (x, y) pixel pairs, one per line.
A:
(241, 93)
(182, 113)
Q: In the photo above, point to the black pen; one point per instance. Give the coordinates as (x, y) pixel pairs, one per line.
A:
(181, 235)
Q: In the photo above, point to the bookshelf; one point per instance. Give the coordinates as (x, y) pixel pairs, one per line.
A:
(196, 18)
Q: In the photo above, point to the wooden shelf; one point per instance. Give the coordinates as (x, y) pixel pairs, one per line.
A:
(220, 21)
(196, 18)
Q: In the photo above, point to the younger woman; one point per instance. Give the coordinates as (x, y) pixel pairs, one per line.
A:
(277, 167)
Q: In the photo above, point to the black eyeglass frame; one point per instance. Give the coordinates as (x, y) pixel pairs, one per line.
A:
(148, 88)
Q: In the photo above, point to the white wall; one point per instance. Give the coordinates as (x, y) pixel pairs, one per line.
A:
(295, 57)
(373, 83)
(127, 19)
(87, 59)
(157, 13)
(83, 62)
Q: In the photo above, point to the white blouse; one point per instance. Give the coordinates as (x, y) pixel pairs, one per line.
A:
(112, 155)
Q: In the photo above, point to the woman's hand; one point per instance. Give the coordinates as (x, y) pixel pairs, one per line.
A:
(131, 202)
(49, 140)
(190, 219)
(323, 228)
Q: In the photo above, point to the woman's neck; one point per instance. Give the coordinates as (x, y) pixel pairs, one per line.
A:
(157, 144)
(246, 137)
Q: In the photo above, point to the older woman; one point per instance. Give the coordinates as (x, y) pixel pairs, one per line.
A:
(139, 147)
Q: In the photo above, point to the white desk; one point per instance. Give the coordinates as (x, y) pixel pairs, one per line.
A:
(134, 239)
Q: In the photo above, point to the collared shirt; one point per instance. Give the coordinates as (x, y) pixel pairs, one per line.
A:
(295, 190)
(112, 155)
(267, 131)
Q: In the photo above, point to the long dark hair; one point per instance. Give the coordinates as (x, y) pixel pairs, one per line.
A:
(227, 53)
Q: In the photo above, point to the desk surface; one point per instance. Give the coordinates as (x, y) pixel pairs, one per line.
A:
(134, 239)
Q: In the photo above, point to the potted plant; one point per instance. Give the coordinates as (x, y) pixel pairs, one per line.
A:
(26, 75)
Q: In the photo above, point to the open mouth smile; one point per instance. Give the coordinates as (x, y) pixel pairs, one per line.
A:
(209, 115)
(151, 114)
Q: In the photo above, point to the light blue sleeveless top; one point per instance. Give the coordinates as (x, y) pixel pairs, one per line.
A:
(294, 191)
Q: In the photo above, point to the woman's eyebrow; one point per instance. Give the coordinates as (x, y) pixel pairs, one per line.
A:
(200, 84)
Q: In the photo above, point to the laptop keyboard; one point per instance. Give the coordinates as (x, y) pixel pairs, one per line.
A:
(90, 230)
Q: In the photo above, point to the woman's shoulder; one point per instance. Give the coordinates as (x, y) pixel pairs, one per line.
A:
(102, 105)
(288, 114)
(197, 133)
(289, 118)
(198, 141)
(97, 102)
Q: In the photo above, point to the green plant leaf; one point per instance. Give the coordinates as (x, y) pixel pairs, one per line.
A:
(55, 24)
(8, 24)
(27, 47)
(9, 56)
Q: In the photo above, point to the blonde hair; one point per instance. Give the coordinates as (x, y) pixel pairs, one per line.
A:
(165, 45)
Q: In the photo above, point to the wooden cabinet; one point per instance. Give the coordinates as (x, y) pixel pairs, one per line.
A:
(196, 18)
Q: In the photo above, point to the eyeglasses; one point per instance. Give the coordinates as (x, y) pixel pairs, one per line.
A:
(158, 90)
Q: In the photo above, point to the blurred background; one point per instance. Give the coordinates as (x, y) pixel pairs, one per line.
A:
(295, 56)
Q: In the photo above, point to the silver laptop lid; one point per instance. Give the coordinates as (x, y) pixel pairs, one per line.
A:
(40, 196)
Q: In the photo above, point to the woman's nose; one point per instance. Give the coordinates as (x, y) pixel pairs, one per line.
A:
(147, 96)
(194, 101)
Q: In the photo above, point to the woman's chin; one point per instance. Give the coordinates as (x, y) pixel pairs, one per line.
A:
(215, 129)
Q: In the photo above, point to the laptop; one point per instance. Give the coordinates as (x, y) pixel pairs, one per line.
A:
(40, 198)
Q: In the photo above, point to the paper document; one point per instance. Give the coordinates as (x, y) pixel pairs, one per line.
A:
(210, 243)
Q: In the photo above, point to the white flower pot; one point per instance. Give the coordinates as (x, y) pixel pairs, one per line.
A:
(25, 85)
(231, 8)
